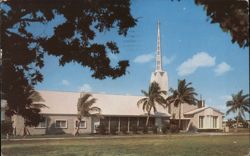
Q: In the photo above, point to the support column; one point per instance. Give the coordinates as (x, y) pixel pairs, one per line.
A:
(119, 125)
(109, 124)
(128, 124)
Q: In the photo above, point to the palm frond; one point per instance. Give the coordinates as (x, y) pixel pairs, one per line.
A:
(144, 92)
(229, 103)
(90, 102)
(85, 96)
(230, 110)
(171, 90)
(39, 105)
(95, 109)
(84, 105)
(163, 92)
(141, 101)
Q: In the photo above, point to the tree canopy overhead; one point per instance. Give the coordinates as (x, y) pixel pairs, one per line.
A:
(232, 16)
(72, 41)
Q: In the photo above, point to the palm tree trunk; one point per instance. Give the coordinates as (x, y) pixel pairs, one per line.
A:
(77, 128)
(24, 131)
(147, 120)
(237, 121)
(179, 116)
(148, 116)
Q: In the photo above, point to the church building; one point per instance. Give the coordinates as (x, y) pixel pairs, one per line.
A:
(119, 111)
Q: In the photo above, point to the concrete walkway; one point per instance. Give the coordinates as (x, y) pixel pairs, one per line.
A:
(129, 136)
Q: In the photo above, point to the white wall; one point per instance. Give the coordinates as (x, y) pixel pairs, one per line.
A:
(207, 122)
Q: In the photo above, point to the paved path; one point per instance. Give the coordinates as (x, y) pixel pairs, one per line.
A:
(130, 136)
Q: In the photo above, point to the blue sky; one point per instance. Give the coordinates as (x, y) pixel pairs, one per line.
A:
(192, 48)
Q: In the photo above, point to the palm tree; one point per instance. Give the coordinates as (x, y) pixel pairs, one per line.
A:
(183, 94)
(36, 103)
(239, 104)
(154, 96)
(85, 108)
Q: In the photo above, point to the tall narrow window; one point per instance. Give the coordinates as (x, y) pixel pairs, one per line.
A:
(215, 121)
(201, 118)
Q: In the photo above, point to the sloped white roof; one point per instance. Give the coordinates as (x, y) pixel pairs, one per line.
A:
(120, 105)
(201, 109)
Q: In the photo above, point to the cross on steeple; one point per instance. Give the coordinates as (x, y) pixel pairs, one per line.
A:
(158, 52)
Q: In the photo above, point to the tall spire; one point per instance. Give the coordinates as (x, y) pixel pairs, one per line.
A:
(158, 52)
(159, 75)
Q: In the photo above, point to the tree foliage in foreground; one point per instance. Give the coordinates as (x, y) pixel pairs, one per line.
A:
(71, 41)
(231, 15)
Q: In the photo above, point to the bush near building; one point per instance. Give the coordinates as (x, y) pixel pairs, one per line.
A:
(6, 127)
(164, 129)
(154, 129)
(124, 130)
(145, 130)
(113, 130)
(135, 129)
(174, 128)
(101, 129)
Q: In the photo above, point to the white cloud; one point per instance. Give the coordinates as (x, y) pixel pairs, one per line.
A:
(65, 82)
(167, 60)
(201, 59)
(226, 97)
(222, 107)
(144, 58)
(85, 88)
(222, 68)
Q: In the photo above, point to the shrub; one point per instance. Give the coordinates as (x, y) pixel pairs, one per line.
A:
(192, 128)
(145, 130)
(6, 127)
(113, 130)
(164, 129)
(209, 130)
(135, 129)
(124, 130)
(174, 128)
(101, 129)
(154, 129)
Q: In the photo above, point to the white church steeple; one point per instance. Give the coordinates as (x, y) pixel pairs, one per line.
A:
(158, 52)
(159, 75)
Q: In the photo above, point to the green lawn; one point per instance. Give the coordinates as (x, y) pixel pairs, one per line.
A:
(149, 146)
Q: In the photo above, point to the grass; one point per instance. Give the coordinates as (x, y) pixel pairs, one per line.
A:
(134, 146)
